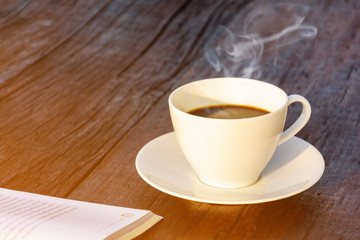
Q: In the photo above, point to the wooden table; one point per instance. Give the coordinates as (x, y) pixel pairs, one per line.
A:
(84, 85)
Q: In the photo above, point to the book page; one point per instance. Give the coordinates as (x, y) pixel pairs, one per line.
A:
(27, 216)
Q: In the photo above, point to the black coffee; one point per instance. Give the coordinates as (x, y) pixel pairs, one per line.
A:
(228, 111)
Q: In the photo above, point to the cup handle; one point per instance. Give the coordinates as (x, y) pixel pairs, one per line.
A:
(301, 121)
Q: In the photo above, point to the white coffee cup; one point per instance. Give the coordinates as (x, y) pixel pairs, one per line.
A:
(232, 153)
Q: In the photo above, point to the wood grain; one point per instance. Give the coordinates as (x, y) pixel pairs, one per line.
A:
(84, 85)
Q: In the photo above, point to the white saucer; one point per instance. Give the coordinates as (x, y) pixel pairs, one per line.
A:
(295, 167)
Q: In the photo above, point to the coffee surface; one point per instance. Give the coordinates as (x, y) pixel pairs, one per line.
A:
(228, 111)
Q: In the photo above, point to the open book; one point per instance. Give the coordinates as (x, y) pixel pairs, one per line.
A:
(28, 216)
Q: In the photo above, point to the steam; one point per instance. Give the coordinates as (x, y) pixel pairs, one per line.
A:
(263, 30)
